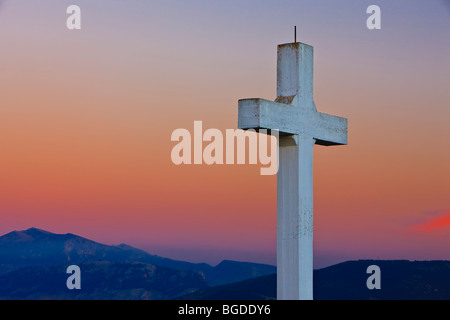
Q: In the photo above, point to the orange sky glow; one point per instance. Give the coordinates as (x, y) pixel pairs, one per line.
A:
(86, 119)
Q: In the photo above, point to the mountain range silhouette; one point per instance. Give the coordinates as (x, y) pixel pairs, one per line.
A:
(33, 265)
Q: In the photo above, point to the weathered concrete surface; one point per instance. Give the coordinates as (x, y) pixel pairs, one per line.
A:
(301, 126)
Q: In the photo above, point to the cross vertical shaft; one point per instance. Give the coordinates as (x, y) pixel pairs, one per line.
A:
(294, 180)
(295, 218)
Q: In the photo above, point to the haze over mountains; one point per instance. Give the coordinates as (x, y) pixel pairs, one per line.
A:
(33, 265)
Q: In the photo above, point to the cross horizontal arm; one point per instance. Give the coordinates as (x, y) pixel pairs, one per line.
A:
(328, 130)
(256, 113)
(259, 113)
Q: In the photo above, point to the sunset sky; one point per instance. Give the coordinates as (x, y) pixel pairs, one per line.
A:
(86, 118)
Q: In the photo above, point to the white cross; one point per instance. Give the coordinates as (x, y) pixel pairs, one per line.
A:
(301, 126)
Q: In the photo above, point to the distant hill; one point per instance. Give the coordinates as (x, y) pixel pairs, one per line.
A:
(261, 288)
(36, 247)
(33, 265)
(39, 254)
(101, 281)
(400, 280)
(233, 271)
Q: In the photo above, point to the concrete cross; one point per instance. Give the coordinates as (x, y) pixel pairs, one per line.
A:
(300, 126)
